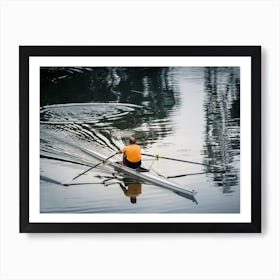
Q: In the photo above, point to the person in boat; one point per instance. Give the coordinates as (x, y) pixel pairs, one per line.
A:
(131, 154)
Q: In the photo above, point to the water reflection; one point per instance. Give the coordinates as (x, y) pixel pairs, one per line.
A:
(222, 124)
(131, 189)
(153, 88)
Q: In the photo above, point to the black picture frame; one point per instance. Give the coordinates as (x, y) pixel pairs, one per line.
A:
(254, 52)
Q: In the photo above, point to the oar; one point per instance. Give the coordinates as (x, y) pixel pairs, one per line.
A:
(181, 160)
(183, 175)
(101, 162)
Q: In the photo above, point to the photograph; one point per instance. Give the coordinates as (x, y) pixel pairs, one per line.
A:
(139, 139)
(121, 137)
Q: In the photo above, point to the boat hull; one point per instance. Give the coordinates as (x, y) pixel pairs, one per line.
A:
(146, 176)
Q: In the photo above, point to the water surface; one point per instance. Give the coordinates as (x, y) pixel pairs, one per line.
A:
(189, 113)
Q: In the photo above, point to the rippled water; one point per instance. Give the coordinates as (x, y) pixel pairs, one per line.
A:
(185, 113)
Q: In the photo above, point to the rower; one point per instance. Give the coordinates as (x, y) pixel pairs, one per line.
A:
(131, 154)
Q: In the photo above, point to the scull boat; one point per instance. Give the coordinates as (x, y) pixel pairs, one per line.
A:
(145, 176)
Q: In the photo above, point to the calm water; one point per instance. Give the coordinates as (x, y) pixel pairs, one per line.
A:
(185, 113)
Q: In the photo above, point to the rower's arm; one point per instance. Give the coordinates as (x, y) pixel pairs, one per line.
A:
(122, 151)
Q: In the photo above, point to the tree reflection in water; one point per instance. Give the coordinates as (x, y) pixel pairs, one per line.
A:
(153, 88)
(222, 124)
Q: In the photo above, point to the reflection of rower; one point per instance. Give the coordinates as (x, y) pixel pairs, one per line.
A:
(131, 154)
(131, 190)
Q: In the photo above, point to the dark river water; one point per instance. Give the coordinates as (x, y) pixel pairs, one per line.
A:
(188, 113)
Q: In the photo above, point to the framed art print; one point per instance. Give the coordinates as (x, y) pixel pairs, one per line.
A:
(140, 138)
